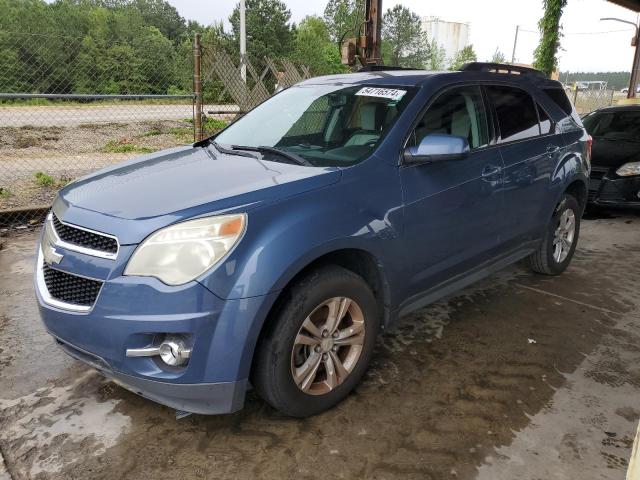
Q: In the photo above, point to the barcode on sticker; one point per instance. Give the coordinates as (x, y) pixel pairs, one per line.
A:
(390, 93)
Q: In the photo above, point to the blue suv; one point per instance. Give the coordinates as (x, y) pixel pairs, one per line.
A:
(273, 253)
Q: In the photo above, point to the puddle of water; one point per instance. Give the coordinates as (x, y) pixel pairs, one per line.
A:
(45, 427)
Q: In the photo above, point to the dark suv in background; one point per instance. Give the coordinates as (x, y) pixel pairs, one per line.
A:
(615, 170)
(274, 252)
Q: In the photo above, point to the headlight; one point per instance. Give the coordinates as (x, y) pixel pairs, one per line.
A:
(182, 252)
(628, 169)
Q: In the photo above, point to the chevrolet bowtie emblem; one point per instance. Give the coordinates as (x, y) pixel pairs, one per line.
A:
(48, 246)
(50, 255)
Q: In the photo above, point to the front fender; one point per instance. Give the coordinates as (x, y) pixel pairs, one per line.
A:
(282, 238)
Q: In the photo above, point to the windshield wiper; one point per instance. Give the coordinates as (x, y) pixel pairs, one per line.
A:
(297, 159)
(231, 151)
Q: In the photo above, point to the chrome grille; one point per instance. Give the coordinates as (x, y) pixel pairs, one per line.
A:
(69, 288)
(84, 238)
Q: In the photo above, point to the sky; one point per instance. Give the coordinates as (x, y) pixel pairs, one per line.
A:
(588, 43)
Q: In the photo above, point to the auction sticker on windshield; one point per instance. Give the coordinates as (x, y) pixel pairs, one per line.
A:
(389, 93)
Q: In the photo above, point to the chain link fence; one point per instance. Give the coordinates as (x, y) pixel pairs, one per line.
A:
(68, 108)
(587, 101)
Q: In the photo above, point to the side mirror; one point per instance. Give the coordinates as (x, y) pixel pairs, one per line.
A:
(437, 147)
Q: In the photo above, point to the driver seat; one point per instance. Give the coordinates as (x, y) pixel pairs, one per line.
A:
(371, 118)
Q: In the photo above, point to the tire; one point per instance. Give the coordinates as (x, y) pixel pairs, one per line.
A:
(280, 356)
(545, 259)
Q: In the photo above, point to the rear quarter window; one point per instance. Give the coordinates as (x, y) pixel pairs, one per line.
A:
(559, 97)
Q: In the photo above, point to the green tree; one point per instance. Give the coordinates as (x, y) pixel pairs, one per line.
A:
(313, 47)
(498, 57)
(159, 13)
(466, 55)
(269, 33)
(405, 42)
(344, 19)
(545, 58)
(436, 56)
(162, 15)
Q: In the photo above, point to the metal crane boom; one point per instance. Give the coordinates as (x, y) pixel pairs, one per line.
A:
(366, 48)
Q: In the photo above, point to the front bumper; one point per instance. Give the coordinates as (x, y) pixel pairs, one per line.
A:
(202, 398)
(606, 189)
(132, 312)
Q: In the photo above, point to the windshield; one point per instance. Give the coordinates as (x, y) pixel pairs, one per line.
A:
(326, 125)
(618, 125)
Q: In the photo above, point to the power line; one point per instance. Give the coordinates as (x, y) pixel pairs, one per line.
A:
(582, 33)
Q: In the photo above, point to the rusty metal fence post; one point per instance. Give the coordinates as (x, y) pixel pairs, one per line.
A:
(197, 88)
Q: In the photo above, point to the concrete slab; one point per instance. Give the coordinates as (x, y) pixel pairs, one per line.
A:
(458, 390)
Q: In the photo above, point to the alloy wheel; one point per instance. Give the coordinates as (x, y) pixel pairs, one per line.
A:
(328, 346)
(564, 234)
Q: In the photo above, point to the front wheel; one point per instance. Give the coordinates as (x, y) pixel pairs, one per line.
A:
(561, 238)
(319, 343)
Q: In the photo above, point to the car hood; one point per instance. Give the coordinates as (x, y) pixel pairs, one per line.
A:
(133, 199)
(614, 153)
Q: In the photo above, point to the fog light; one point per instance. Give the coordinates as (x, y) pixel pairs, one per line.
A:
(174, 351)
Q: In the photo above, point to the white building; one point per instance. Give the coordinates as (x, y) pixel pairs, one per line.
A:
(452, 36)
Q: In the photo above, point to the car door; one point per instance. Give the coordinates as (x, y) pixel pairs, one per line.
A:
(530, 149)
(452, 208)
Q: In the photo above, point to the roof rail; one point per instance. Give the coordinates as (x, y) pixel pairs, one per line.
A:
(382, 68)
(501, 68)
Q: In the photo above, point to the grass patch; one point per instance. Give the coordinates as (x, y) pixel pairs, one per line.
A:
(152, 133)
(213, 124)
(45, 180)
(210, 125)
(182, 134)
(124, 146)
(5, 192)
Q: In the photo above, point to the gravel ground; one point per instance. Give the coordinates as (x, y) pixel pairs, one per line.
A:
(518, 377)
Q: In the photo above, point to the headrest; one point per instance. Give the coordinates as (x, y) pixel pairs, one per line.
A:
(372, 115)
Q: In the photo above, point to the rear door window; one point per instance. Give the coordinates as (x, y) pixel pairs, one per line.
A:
(517, 117)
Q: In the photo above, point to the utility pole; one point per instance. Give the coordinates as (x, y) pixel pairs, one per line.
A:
(515, 44)
(243, 42)
(633, 81)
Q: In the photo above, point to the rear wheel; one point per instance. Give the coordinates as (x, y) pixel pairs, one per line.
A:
(319, 343)
(561, 238)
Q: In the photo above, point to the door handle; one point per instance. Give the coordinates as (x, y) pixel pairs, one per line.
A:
(552, 150)
(490, 171)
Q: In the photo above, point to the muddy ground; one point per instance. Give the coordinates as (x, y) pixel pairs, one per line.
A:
(519, 377)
